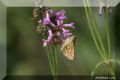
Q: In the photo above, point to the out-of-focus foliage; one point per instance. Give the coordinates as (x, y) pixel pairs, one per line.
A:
(27, 56)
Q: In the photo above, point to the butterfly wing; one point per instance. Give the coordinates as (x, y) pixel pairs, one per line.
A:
(68, 50)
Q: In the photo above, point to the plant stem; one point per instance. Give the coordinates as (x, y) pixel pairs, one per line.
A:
(108, 42)
(95, 28)
(55, 59)
(50, 61)
(94, 69)
(107, 33)
(93, 35)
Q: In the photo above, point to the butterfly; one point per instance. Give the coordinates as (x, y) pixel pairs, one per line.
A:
(68, 48)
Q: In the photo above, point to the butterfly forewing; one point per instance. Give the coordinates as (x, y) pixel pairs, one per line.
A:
(68, 48)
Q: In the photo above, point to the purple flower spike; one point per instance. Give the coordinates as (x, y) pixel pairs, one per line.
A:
(69, 25)
(60, 15)
(46, 19)
(55, 29)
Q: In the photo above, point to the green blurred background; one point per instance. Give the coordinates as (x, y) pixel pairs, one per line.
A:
(27, 56)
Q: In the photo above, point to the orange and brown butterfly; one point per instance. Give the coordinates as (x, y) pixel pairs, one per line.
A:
(68, 48)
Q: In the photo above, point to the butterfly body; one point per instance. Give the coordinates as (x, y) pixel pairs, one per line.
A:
(68, 48)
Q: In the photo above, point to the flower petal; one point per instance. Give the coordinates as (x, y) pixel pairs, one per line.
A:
(50, 35)
(50, 11)
(59, 22)
(65, 32)
(45, 43)
(69, 25)
(46, 19)
(100, 8)
(60, 15)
